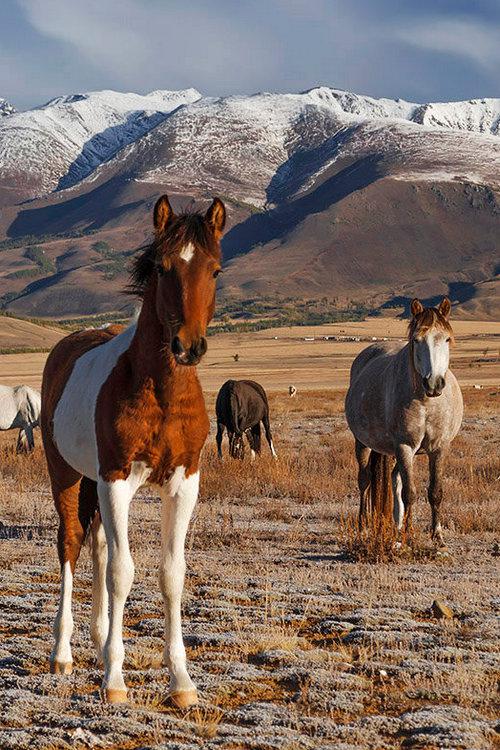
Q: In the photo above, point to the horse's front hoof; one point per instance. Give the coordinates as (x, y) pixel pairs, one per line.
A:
(61, 667)
(115, 695)
(183, 698)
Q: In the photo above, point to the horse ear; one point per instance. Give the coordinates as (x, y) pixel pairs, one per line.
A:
(416, 307)
(162, 214)
(216, 217)
(444, 307)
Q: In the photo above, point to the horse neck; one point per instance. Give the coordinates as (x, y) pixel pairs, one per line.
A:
(151, 357)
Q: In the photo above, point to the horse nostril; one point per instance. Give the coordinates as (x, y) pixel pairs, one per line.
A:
(177, 347)
(199, 348)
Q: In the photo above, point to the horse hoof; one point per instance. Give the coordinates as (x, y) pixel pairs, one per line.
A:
(61, 667)
(183, 698)
(115, 695)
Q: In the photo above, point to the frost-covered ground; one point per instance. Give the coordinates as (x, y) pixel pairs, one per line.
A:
(292, 642)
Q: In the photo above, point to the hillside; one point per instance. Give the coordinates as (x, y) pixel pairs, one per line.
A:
(20, 335)
(329, 193)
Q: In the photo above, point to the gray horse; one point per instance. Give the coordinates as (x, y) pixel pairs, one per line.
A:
(20, 409)
(403, 400)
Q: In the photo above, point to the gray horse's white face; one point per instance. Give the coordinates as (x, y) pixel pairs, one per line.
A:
(431, 358)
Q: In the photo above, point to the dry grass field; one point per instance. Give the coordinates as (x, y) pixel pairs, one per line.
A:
(299, 633)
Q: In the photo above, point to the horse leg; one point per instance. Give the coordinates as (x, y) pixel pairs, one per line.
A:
(30, 437)
(363, 459)
(114, 503)
(255, 440)
(178, 500)
(269, 437)
(218, 438)
(404, 457)
(397, 493)
(69, 542)
(22, 441)
(99, 621)
(435, 493)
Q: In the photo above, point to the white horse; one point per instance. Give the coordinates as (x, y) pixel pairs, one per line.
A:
(404, 400)
(20, 410)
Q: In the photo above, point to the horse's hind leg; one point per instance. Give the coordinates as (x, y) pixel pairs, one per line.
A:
(363, 459)
(99, 621)
(218, 438)
(254, 439)
(435, 493)
(69, 542)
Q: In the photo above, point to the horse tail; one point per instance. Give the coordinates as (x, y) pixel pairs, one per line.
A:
(235, 437)
(381, 484)
(88, 503)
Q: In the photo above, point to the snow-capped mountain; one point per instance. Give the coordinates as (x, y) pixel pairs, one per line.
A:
(59, 143)
(6, 108)
(361, 198)
(243, 143)
(266, 148)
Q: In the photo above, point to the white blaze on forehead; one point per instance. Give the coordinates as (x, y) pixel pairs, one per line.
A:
(187, 252)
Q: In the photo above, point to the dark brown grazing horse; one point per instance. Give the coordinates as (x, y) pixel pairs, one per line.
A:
(122, 407)
(240, 408)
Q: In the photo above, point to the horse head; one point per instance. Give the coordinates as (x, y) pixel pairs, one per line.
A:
(177, 274)
(430, 335)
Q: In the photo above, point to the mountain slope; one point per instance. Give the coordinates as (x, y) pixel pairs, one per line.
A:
(58, 144)
(329, 194)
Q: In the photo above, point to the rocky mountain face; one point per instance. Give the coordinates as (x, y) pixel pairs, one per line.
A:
(6, 108)
(329, 192)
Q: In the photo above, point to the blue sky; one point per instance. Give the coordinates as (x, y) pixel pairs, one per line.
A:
(424, 50)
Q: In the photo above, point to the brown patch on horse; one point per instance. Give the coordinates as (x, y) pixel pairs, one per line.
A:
(75, 500)
(425, 318)
(155, 407)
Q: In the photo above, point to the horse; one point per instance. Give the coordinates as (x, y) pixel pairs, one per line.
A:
(20, 409)
(403, 400)
(122, 407)
(240, 408)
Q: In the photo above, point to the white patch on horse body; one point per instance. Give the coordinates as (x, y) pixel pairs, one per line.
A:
(187, 252)
(63, 625)
(74, 416)
(179, 497)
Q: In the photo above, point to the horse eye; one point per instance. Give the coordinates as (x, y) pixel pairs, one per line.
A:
(217, 272)
(160, 270)
(448, 340)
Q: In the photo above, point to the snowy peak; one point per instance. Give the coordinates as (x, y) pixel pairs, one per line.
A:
(476, 115)
(6, 108)
(63, 141)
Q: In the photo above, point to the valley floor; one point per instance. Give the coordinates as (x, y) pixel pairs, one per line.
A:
(295, 638)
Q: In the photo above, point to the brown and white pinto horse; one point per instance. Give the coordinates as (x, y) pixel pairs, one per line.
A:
(122, 407)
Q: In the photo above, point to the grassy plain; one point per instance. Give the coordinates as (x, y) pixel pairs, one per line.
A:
(294, 638)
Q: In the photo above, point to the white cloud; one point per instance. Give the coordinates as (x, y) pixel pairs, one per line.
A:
(135, 42)
(478, 42)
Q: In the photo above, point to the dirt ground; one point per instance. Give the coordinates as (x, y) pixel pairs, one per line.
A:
(296, 637)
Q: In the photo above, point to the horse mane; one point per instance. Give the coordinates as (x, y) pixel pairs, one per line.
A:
(185, 228)
(430, 317)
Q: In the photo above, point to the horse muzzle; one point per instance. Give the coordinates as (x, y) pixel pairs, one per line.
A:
(433, 387)
(191, 356)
